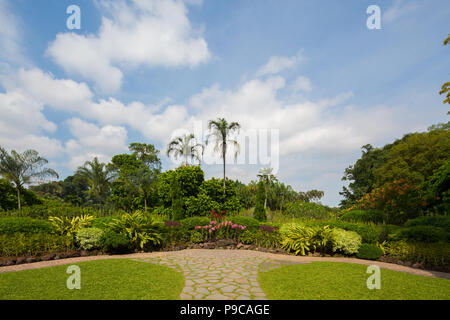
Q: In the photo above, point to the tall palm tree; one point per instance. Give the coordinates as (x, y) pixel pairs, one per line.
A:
(265, 174)
(23, 168)
(99, 177)
(220, 131)
(186, 147)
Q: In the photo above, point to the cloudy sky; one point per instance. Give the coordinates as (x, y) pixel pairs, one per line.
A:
(310, 72)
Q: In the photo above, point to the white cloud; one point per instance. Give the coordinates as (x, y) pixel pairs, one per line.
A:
(92, 141)
(301, 84)
(150, 33)
(23, 125)
(10, 38)
(398, 9)
(277, 64)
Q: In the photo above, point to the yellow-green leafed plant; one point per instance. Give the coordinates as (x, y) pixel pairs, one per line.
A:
(140, 229)
(67, 226)
(296, 237)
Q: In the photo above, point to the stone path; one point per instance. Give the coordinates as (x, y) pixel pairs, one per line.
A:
(216, 275)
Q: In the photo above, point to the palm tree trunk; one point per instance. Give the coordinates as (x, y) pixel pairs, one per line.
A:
(18, 198)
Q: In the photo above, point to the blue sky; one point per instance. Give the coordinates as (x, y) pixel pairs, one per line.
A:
(139, 71)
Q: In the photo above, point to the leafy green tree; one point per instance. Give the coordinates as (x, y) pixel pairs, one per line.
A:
(361, 175)
(437, 190)
(220, 132)
(99, 178)
(177, 199)
(446, 86)
(260, 211)
(23, 168)
(415, 158)
(311, 195)
(186, 147)
(265, 175)
(148, 154)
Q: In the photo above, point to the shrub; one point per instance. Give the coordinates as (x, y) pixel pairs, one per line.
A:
(428, 254)
(196, 237)
(139, 229)
(251, 223)
(369, 233)
(247, 237)
(115, 243)
(172, 233)
(21, 244)
(369, 252)
(101, 222)
(296, 237)
(89, 238)
(10, 226)
(200, 205)
(376, 216)
(67, 226)
(347, 242)
(221, 230)
(265, 239)
(260, 211)
(423, 234)
(188, 224)
(307, 210)
(434, 221)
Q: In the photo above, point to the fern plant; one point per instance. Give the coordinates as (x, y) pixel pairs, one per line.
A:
(138, 228)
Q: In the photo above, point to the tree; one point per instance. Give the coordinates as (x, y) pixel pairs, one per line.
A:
(147, 153)
(185, 147)
(24, 168)
(99, 178)
(361, 175)
(260, 211)
(446, 86)
(220, 132)
(265, 175)
(177, 199)
(311, 195)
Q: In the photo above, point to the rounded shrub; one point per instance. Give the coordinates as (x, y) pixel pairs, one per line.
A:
(307, 210)
(424, 234)
(346, 242)
(115, 243)
(196, 237)
(247, 237)
(251, 223)
(89, 238)
(369, 252)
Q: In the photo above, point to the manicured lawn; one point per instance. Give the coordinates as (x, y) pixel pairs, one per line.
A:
(106, 279)
(339, 281)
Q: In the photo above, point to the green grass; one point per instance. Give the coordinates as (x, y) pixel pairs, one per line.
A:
(118, 279)
(346, 281)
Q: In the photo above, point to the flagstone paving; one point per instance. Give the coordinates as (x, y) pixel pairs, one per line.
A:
(218, 275)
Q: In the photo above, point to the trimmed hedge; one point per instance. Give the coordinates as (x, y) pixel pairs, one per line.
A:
(307, 210)
(434, 221)
(424, 234)
(115, 243)
(37, 244)
(369, 252)
(10, 226)
(251, 223)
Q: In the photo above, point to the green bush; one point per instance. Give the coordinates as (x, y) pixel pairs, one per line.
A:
(115, 243)
(260, 213)
(10, 226)
(196, 237)
(251, 223)
(140, 229)
(346, 242)
(376, 216)
(428, 254)
(247, 237)
(307, 210)
(434, 221)
(369, 233)
(200, 205)
(266, 239)
(424, 234)
(102, 222)
(369, 252)
(89, 238)
(36, 244)
(188, 224)
(296, 237)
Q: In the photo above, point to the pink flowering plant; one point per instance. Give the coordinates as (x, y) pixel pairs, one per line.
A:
(221, 230)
